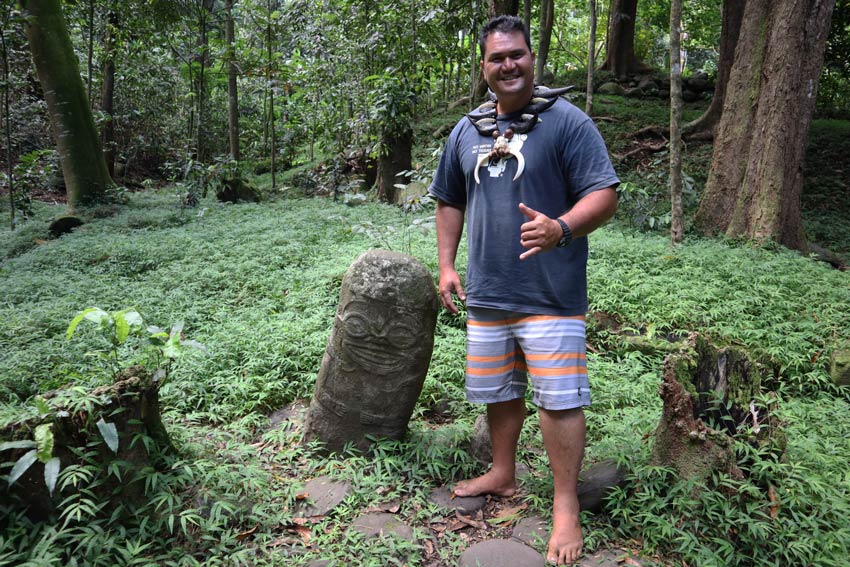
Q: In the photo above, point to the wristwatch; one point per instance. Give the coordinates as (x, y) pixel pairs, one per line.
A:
(568, 235)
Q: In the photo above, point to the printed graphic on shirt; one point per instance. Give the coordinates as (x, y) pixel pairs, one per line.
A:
(496, 167)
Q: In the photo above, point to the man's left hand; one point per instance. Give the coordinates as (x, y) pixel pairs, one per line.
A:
(539, 234)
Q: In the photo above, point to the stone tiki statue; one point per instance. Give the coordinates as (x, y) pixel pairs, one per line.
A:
(378, 352)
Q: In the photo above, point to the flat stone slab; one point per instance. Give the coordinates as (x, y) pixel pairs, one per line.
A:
(379, 524)
(442, 497)
(532, 531)
(500, 553)
(322, 495)
(607, 558)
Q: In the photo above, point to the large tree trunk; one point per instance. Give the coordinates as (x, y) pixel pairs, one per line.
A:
(83, 166)
(396, 159)
(620, 58)
(547, 17)
(107, 98)
(499, 7)
(703, 127)
(232, 92)
(754, 185)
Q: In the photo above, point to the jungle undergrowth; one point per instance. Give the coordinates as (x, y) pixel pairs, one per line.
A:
(259, 284)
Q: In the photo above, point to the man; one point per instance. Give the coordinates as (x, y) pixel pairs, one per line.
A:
(544, 183)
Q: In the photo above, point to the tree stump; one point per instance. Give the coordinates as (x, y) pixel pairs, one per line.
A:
(707, 394)
(131, 404)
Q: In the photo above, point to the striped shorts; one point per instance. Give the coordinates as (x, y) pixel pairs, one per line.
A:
(503, 347)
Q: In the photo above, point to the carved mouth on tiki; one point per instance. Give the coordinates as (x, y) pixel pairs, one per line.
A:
(374, 356)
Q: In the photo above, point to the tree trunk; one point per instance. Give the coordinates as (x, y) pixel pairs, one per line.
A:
(270, 88)
(703, 127)
(591, 57)
(526, 9)
(547, 17)
(107, 98)
(499, 7)
(677, 225)
(397, 159)
(232, 92)
(78, 144)
(709, 401)
(7, 115)
(755, 181)
(620, 58)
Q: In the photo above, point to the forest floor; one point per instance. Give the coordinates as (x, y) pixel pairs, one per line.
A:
(258, 286)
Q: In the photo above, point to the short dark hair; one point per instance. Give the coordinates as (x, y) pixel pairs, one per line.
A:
(503, 24)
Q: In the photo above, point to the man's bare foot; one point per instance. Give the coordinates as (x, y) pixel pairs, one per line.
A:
(488, 483)
(565, 544)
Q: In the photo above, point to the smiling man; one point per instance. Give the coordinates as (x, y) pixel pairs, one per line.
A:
(546, 182)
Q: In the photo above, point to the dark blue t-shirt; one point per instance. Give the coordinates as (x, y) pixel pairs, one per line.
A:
(565, 160)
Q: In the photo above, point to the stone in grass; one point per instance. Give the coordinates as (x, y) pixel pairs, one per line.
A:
(289, 417)
(442, 497)
(63, 225)
(500, 553)
(608, 558)
(533, 531)
(380, 524)
(323, 495)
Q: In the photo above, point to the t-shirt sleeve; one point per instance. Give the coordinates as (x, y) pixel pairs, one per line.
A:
(588, 166)
(449, 184)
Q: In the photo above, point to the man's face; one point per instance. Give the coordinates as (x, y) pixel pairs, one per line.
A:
(508, 68)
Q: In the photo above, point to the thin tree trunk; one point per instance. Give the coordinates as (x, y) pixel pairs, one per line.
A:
(78, 144)
(90, 50)
(107, 98)
(703, 127)
(755, 181)
(271, 99)
(8, 127)
(526, 9)
(499, 7)
(232, 91)
(676, 216)
(591, 57)
(547, 17)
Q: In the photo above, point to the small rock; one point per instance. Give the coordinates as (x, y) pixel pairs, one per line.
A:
(380, 524)
(611, 89)
(442, 497)
(323, 495)
(533, 531)
(500, 553)
(839, 366)
(289, 417)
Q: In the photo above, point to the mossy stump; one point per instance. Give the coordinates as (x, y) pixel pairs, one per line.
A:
(131, 404)
(236, 189)
(707, 392)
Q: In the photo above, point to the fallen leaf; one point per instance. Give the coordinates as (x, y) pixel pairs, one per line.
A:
(774, 501)
(480, 524)
(245, 535)
(305, 533)
(506, 512)
(429, 547)
(302, 496)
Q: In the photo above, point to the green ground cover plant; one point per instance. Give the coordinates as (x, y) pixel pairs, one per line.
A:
(258, 284)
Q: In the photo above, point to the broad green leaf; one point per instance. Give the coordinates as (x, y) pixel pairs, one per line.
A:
(133, 319)
(22, 465)
(95, 315)
(51, 473)
(26, 444)
(41, 406)
(122, 328)
(80, 316)
(44, 439)
(109, 433)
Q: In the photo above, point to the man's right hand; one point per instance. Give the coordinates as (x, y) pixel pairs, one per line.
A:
(450, 285)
